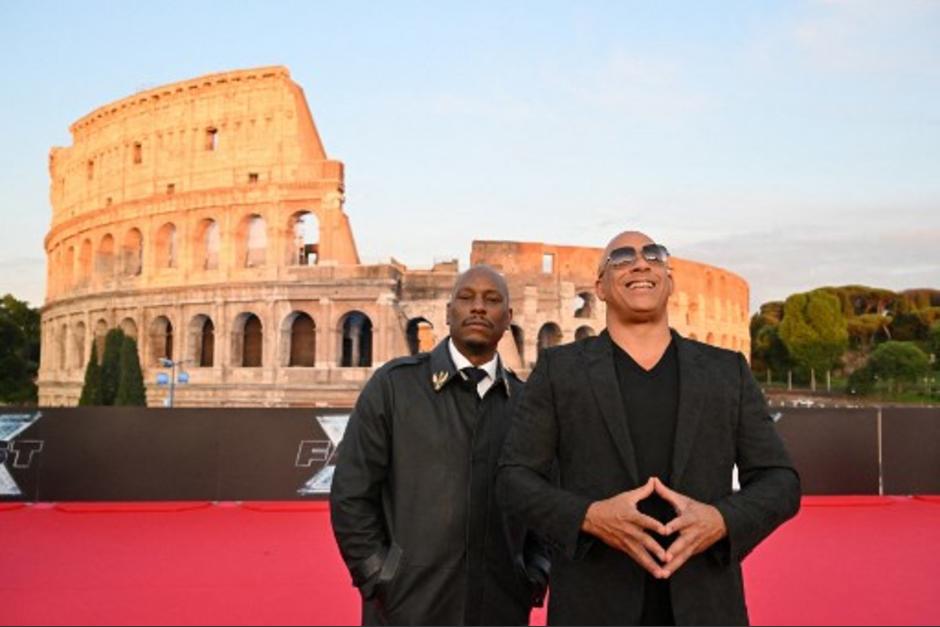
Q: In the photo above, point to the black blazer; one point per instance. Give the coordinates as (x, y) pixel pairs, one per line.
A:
(569, 445)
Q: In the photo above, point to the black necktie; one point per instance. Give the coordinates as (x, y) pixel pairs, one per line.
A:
(474, 375)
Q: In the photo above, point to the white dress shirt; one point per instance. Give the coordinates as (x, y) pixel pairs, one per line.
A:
(462, 362)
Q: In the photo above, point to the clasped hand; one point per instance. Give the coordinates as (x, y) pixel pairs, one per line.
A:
(618, 523)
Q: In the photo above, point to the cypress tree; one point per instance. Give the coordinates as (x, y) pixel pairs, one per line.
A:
(91, 390)
(111, 366)
(130, 389)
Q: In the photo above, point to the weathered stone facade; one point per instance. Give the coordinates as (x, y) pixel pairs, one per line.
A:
(205, 219)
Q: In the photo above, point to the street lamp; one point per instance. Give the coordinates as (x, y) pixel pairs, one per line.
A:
(169, 363)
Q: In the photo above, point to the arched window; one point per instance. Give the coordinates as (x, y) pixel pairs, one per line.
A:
(60, 345)
(207, 244)
(166, 246)
(549, 335)
(129, 327)
(302, 340)
(69, 266)
(248, 335)
(104, 260)
(710, 339)
(518, 338)
(200, 349)
(356, 350)
(420, 336)
(584, 305)
(583, 332)
(84, 263)
(132, 253)
(78, 345)
(161, 339)
(304, 241)
(252, 241)
(101, 330)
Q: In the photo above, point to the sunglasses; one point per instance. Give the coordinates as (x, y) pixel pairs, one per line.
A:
(626, 256)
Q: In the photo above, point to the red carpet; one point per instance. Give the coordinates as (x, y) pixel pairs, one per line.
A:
(843, 560)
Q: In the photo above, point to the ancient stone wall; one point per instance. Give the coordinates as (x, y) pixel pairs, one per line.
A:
(205, 219)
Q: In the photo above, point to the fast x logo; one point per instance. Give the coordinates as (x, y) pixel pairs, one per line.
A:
(13, 453)
(322, 451)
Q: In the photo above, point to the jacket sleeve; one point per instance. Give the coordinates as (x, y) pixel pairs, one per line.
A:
(356, 501)
(770, 485)
(524, 482)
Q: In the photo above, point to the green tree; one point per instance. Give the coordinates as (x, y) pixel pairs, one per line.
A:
(91, 390)
(898, 363)
(130, 389)
(813, 330)
(19, 351)
(933, 343)
(111, 366)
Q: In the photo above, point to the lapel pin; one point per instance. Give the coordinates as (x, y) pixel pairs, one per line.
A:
(440, 379)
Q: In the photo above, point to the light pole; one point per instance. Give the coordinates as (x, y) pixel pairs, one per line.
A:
(169, 363)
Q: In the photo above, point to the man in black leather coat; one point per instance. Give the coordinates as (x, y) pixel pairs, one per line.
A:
(413, 504)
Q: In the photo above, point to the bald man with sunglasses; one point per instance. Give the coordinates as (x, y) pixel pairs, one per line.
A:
(620, 456)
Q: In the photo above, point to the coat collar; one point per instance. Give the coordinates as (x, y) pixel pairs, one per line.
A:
(598, 355)
(443, 370)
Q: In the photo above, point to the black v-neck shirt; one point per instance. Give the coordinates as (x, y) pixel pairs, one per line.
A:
(651, 406)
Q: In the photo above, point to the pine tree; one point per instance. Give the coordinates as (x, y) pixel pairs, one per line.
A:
(91, 391)
(130, 389)
(111, 366)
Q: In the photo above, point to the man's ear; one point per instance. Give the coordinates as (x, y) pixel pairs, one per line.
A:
(600, 290)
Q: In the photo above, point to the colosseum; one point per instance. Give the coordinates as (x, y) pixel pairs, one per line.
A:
(205, 219)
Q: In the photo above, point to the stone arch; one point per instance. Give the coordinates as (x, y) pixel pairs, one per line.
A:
(518, 338)
(248, 341)
(303, 239)
(549, 335)
(68, 267)
(206, 245)
(585, 307)
(355, 340)
(78, 345)
(165, 246)
(251, 241)
(104, 259)
(584, 331)
(710, 339)
(60, 346)
(85, 261)
(420, 335)
(132, 251)
(299, 340)
(161, 339)
(129, 327)
(201, 352)
(101, 331)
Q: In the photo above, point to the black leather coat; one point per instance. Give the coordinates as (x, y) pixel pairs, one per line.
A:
(413, 502)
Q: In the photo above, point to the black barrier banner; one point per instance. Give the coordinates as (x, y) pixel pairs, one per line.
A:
(835, 450)
(911, 450)
(146, 454)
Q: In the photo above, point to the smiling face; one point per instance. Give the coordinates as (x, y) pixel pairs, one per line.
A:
(478, 312)
(634, 292)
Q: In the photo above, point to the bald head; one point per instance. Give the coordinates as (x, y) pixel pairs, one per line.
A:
(482, 271)
(626, 238)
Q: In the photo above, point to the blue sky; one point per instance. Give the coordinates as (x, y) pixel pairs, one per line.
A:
(795, 143)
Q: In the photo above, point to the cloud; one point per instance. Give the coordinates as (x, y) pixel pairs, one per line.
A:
(779, 263)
